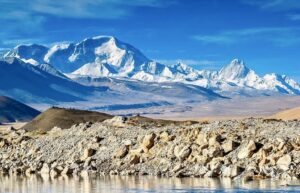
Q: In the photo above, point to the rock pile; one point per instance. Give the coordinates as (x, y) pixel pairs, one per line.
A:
(246, 149)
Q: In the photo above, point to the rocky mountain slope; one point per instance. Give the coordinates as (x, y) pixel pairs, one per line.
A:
(12, 111)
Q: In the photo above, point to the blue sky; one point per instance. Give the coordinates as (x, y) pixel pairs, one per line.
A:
(203, 33)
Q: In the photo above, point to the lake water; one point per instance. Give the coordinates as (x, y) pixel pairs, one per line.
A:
(105, 184)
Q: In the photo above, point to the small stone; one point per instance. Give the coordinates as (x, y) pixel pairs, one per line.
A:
(88, 153)
(55, 130)
(235, 171)
(134, 159)
(121, 152)
(177, 167)
(67, 171)
(127, 142)
(97, 139)
(3, 142)
(210, 174)
(214, 151)
(11, 129)
(87, 162)
(29, 171)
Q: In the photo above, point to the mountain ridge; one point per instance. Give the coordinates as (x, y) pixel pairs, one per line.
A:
(107, 56)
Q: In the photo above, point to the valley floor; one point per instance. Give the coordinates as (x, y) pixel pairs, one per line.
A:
(224, 109)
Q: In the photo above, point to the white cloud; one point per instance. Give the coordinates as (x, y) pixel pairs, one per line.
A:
(280, 36)
(275, 5)
(108, 9)
(26, 18)
(278, 6)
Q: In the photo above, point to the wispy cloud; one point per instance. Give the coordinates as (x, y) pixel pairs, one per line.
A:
(294, 17)
(77, 8)
(280, 36)
(278, 6)
(275, 5)
(27, 17)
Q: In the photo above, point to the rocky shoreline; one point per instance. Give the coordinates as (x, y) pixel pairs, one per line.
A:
(239, 149)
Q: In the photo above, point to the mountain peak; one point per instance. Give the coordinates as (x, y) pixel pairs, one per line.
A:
(235, 70)
(100, 39)
(237, 62)
(103, 37)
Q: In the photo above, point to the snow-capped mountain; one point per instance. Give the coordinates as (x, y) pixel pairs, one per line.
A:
(41, 85)
(102, 56)
(106, 56)
(236, 72)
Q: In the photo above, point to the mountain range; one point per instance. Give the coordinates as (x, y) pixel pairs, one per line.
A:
(110, 72)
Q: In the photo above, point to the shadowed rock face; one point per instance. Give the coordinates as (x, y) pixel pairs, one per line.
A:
(63, 118)
(12, 110)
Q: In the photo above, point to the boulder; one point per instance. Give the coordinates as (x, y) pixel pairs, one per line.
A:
(284, 162)
(165, 137)
(182, 152)
(201, 139)
(229, 146)
(247, 152)
(148, 142)
(66, 171)
(45, 169)
(116, 121)
(54, 173)
(214, 151)
(215, 165)
(215, 139)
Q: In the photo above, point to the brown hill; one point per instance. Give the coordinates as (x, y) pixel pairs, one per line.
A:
(15, 111)
(63, 118)
(289, 114)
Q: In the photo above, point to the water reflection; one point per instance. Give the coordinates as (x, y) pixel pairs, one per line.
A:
(95, 184)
